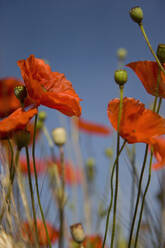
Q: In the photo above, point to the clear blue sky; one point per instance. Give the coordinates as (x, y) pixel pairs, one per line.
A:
(80, 38)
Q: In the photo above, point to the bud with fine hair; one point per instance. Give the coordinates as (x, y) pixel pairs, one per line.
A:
(136, 13)
(77, 232)
(161, 52)
(20, 92)
(59, 136)
(121, 77)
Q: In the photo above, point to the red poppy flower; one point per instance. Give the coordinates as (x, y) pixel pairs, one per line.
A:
(40, 166)
(94, 241)
(72, 175)
(159, 153)
(28, 232)
(18, 120)
(49, 88)
(91, 127)
(8, 100)
(138, 124)
(147, 72)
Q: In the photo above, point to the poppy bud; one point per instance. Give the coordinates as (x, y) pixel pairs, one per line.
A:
(59, 136)
(42, 116)
(121, 77)
(20, 92)
(77, 232)
(40, 124)
(90, 168)
(136, 14)
(161, 52)
(109, 152)
(22, 138)
(121, 53)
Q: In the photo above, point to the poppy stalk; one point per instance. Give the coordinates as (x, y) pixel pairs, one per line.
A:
(36, 181)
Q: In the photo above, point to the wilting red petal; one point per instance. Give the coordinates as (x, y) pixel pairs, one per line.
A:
(91, 127)
(28, 232)
(8, 100)
(18, 120)
(147, 72)
(137, 123)
(40, 166)
(49, 88)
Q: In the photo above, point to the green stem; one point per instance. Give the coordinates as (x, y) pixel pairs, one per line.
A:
(143, 200)
(31, 192)
(111, 199)
(159, 105)
(12, 159)
(61, 200)
(138, 196)
(12, 176)
(117, 168)
(150, 47)
(36, 182)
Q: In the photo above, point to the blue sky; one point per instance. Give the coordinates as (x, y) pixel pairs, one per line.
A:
(80, 38)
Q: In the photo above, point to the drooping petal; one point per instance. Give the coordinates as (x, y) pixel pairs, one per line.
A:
(18, 120)
(147, 72)
(137, 125)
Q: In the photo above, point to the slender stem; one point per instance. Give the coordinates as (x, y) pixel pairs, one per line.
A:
(138, 196)
(36, 182)
(61, 200)
(12, 159)
(143, 200)
(111, 199)
(12, 176)
(117, 167)
(159, 105)
(150, 47)
(31, 192)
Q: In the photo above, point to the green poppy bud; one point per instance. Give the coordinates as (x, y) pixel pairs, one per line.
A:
(20, 92)
(109, 152)
(42, 115)
(121, 53)
(22, 138)
(136, 14)
(121, 77)
(161, 52)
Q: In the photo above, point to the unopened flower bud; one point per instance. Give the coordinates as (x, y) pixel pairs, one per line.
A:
(136, 14)
(20, 92)
(22, 138)
(121, 77)
(109, 152)
(161, 52)
(40, 124)
(42, 116)
(90, 169)
(59, 136)
(77, 232)
(121, 53)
